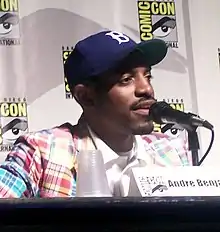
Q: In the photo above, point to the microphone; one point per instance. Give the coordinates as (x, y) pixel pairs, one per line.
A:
(163, 113)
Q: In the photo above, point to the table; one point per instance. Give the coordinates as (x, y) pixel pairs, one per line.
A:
(111, 214)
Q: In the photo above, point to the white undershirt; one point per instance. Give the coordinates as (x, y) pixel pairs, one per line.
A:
(115, 163)
(124, 157)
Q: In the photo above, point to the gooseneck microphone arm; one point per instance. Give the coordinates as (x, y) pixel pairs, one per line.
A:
(163, 113)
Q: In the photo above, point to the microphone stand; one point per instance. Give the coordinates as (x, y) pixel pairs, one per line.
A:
(193, 143)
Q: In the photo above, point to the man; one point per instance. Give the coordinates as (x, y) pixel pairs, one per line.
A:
(110, 77)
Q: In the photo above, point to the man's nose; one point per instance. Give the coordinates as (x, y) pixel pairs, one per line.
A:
(143, 87)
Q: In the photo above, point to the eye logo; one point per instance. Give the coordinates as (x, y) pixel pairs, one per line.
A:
(13, 129)
(163, 27)
(158, 20)
(160, 188)
(14, 123)
(7, 22)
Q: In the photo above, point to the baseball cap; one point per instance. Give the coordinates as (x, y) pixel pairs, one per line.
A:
(104, 50)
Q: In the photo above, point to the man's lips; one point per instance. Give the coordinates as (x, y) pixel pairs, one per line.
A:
(144, 112)
(143, 107)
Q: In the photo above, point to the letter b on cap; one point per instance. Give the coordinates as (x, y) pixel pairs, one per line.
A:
(118, 36)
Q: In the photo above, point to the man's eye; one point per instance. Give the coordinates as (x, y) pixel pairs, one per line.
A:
(149, 76)
(126, 80)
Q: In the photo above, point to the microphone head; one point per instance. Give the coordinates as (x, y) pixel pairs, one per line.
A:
(163, 113)
(157, 110)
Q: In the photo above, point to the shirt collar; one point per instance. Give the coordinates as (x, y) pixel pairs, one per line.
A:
(108, 153)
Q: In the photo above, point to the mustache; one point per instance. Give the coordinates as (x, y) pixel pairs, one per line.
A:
(142, 101)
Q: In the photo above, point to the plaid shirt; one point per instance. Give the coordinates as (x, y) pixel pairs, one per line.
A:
(43, 163)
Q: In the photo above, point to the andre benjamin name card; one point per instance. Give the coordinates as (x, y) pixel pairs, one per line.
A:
(176, 181)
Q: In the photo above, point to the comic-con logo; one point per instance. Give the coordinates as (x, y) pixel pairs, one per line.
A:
(171, 130)
(14, 122)
(157, 19)
(65, 54)
(152, 185)
(9, 22)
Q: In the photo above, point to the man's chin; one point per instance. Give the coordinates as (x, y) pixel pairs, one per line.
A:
(143, 128)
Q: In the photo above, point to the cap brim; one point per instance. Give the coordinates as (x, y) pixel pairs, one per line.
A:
(154, 51)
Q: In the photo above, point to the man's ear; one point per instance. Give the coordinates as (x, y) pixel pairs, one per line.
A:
(84, 95)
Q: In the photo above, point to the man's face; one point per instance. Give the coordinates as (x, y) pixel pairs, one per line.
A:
(124, 100)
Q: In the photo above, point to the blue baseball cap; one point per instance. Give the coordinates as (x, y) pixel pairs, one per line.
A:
(104, 51)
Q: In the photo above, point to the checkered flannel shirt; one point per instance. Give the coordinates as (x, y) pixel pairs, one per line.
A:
(43, 163)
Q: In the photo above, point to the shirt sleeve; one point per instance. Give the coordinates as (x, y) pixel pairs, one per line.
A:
(181, 147)
(179, 144)
(20, 173)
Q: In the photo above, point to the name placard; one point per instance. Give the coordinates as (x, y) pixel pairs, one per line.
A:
(176, 181)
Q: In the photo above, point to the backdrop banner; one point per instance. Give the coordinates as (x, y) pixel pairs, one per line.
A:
(36, 37)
